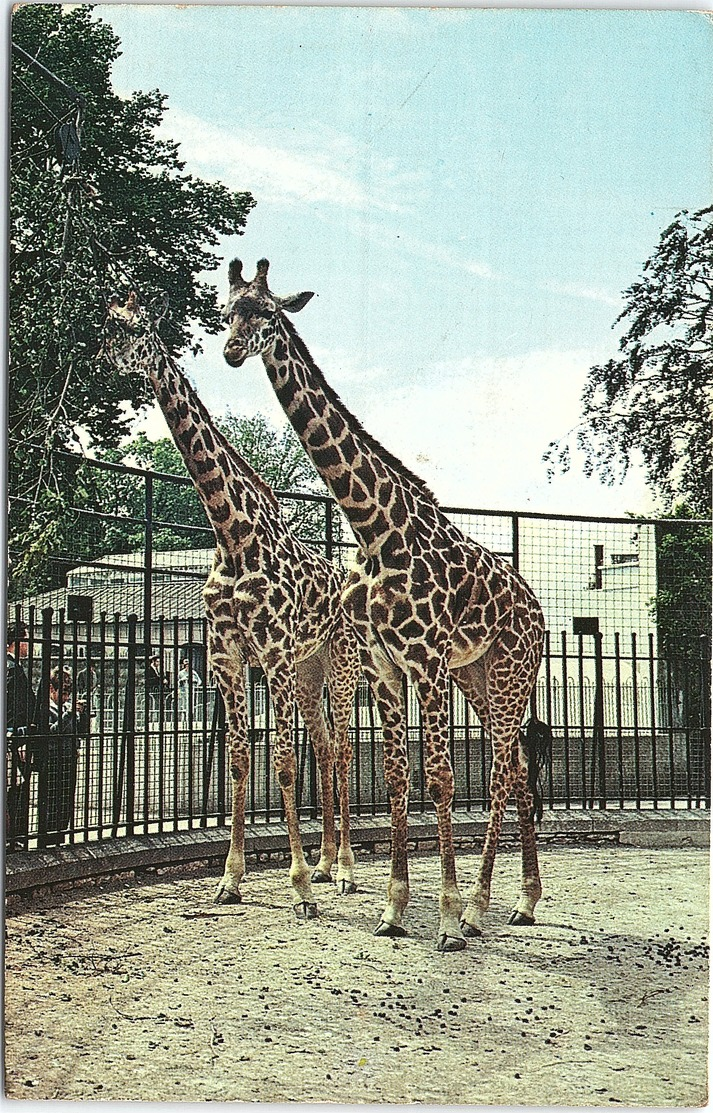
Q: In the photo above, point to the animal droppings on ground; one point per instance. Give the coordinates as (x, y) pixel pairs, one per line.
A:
(141, 991)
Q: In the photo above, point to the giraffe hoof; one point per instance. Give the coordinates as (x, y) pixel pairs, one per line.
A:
(306, 910)
(395, 931)
(345, 888)
(470, 931)
(521, 919)
(226, 896)
(319, 877)
(448, 943)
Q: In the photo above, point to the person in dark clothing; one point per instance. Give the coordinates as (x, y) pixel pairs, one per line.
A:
(19, 716)
(57, 766)
(156, 684)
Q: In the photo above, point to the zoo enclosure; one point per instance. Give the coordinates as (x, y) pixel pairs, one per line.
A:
(627, 701)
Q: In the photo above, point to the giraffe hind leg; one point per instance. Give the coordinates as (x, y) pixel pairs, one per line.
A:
(342, 680)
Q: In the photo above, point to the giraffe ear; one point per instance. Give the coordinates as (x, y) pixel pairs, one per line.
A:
(296, 302)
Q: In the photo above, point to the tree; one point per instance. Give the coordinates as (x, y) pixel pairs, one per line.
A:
(105, 513)
(275, 454)
(119, 209)
(657, 397)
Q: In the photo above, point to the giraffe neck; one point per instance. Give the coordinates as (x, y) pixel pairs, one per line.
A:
(378, 494)
(233, 495)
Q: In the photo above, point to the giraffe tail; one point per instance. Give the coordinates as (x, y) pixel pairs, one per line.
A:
(536, 741)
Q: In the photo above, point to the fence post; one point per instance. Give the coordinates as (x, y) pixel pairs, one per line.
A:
(705, 714)
(329, 529)
(128, 735)
(41, 744)
(598, 739)
(148, 564)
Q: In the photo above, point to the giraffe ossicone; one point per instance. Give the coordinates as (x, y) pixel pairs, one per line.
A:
(427, 603)
(270, 601)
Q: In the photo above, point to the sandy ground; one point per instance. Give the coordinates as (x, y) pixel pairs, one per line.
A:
(143, 989)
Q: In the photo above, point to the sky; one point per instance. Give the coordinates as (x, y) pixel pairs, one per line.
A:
(468, 192)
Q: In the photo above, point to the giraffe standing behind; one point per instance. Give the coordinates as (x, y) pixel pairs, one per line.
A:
(427, 602)
(270, 600)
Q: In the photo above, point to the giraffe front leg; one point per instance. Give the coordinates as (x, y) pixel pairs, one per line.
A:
(386, 685)
(282, 694)
(440, 784)
(305, 905)
(228, 891)
(228, 666)
(309, 689)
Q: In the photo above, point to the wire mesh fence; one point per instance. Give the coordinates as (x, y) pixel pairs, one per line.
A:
(624, 683)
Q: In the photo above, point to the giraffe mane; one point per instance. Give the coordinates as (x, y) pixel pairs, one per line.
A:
(353, 422)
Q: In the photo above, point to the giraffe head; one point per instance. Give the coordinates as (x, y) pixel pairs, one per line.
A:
(252, 312)
(123, 327)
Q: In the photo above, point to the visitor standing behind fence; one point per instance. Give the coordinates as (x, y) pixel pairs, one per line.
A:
(188, 687)
(19, 716)
(56, 757)
(156, 684)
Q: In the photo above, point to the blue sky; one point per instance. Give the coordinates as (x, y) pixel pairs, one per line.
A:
(468, 191)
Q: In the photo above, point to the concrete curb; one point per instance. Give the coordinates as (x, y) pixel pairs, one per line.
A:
(35, 869)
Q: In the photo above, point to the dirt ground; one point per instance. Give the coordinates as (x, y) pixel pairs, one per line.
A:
(143, 989)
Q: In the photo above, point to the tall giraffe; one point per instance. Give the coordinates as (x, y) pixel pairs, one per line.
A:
(426, 601)
(270, 600)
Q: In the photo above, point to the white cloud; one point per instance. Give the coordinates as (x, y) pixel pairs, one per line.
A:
(307, 170)
(588, 293)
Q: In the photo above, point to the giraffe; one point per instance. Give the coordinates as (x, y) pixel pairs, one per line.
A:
(428, 604)
(269, 600)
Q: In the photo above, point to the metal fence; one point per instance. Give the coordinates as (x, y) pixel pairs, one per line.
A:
(629, 706)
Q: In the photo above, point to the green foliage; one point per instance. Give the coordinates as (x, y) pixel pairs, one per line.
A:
(275, 454)
(657, 397)
(682, 606)
(127, 214)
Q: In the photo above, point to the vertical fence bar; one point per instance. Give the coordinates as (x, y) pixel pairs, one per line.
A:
(116, 767)
(516, 542)
(652, 708)
(176, 722)
(88, 739)
(268, 754)
(101, 722)
(466, 754)
(329, 529)
(163, 695)
(148, 562)
(372, 748)
(619, 718)
(191, 694)
(705, 716)
(129, 731)
(357, 748)
(565, 721)
(548, 715)
(582, 729)
(598, 744)
(670, 731)
(635, 715)
(42, 716)
(251, 690)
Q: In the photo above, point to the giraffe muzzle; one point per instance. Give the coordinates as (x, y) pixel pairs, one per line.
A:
(233, 356)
